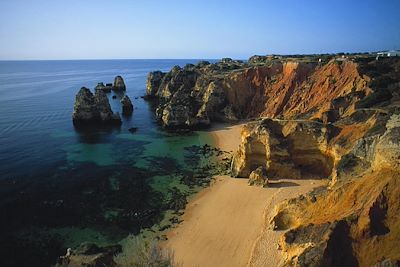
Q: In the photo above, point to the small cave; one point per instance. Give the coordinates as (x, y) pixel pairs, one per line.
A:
(377, 216)
(339, 250)
(308, 158)
(313, 164)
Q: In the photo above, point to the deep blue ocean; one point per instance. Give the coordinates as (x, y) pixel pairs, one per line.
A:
(60, 186)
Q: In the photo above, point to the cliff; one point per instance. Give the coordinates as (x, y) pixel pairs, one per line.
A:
(352, 140)
(335, 119)
(230, 90)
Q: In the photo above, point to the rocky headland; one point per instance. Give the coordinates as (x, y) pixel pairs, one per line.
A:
(312, 117)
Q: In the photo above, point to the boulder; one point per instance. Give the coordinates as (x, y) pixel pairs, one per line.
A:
(127, 107)
(119, 84)
(259, 177)
(93, 109)
(133, 130)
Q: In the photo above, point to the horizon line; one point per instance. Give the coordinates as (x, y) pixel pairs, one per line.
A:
(189, 58)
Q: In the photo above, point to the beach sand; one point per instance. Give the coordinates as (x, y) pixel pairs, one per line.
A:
(226, 223)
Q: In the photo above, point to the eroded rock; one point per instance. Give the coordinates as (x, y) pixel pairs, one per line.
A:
(287, 150)
(119, 84)
(259, 177)
(93, 109)
(230, 90)
(127, 106)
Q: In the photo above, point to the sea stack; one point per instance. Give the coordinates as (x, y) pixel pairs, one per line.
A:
(94, 109)
(119, 84)
(127, 107)
(106, 88)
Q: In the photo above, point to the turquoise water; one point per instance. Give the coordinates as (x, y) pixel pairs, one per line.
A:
(60, 186)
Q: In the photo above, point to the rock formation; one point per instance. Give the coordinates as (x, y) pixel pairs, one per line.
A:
(92, 109)
(286, 149)
(119, 84)
(328, 118)
(259, 177)
(106, 88)
(127, 107)
(355, 144)
(231, 90)
(363, 203)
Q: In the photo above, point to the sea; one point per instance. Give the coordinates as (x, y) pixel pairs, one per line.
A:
(61, 186)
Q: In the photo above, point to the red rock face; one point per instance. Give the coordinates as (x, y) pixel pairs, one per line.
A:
(291, 88)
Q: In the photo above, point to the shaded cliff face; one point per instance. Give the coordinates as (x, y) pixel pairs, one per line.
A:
(198, 94)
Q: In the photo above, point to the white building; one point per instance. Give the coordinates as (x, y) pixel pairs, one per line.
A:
(391, 53)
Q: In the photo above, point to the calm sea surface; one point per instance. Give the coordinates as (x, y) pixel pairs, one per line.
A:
(60, 186)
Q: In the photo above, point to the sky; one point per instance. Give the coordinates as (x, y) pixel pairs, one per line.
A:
(153, 29)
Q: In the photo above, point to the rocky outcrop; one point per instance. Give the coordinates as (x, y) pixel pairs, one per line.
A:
(189, 96)
(106, 88)
(154, 80)
(127, 106)
(231, 90)
(290, 150)
(363, 201)
(119, 84)
(89, 255)
(353, 140)
(92, 109)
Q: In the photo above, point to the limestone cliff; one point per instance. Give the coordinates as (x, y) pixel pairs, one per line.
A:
(355, 143)
(355, 221)
(231, 90)
(286, 149)
(335, 119)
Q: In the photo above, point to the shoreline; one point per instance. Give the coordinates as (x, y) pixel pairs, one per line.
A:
(225, 224)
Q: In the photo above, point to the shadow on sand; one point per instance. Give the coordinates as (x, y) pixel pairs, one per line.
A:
(279, 184)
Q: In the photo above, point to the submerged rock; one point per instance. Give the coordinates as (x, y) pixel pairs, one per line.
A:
(119, 84)
(93, 109)
(133, 130)
(127, 107)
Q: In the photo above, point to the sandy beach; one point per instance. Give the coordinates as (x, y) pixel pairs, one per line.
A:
(225, 224)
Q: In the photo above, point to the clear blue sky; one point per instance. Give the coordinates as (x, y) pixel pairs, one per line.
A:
(96, 29)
